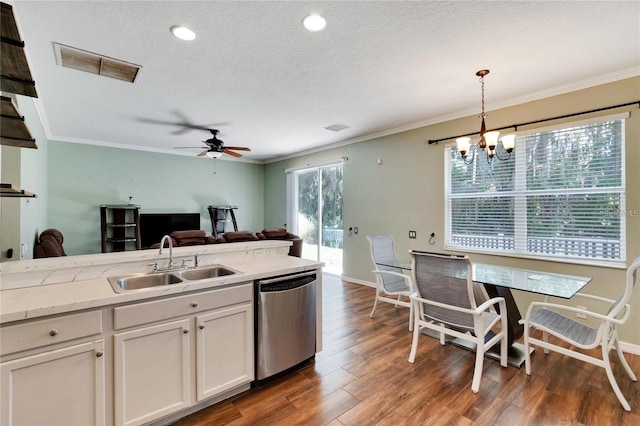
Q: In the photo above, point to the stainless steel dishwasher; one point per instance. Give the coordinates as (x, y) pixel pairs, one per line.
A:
(285, 322)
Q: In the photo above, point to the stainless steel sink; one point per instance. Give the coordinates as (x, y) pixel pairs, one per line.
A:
(140, 281)
(205, 273)
(151, 280)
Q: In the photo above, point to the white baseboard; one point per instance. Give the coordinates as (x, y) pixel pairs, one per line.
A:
(630, 348)
(626, 347)
(357, 281)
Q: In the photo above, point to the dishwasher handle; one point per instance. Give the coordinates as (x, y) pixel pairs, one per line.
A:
(288, 282)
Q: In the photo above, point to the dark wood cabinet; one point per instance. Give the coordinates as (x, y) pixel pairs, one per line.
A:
(120, 227)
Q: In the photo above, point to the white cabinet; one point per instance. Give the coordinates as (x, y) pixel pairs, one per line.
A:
(162, 367)
(53, 371)
(151, 368)
(58, 387)
(224, 350)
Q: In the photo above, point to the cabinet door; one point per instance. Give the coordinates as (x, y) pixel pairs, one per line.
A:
(61, 387)
(224, 345)
(151, 368)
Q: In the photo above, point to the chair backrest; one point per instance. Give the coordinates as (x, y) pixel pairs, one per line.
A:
(445, 279)
(383, 251)
(632, 280)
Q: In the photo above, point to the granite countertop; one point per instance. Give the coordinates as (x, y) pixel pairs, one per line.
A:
(79, 294)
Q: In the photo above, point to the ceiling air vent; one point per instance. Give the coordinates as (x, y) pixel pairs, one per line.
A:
(94, 63)
(337, 127)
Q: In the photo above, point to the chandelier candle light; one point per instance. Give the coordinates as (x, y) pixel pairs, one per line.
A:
(489, 141)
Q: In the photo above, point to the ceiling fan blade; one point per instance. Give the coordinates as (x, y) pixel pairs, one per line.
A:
(231, 153)
(203, 153)
(183, 122)
(187, 127)
(189, 147)
(238, 148)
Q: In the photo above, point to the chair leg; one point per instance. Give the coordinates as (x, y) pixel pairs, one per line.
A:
(527, 352)
(375, 303)
(399, 299)
(545, 338)
(411, 316)
(503, 349)
(623, 360)
(612, 379)
(477, 372)
(414, 342)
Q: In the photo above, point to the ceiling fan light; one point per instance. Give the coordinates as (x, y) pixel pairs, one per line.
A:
(183, 33)
(314, 23)
(214, 154)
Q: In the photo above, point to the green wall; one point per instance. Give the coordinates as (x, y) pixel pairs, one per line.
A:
(33, 211)
(23, 218)
(275, 195)
(82, 177)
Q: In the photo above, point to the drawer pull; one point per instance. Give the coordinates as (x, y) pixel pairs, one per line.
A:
(99, 354)
(53, 333)
(194, 304)
(185, 330)
(201, 326)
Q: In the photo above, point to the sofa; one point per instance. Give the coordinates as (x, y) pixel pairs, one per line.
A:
(282, 234)
(199, 237)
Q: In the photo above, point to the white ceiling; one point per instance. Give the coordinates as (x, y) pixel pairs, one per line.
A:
(258, 76)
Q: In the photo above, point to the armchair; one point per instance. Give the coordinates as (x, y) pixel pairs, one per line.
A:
(390, 281)
(549, 318)
(445, 301)
(49, 244)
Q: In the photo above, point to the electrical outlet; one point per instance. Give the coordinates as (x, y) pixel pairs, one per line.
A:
(579, 315)
(412, 234)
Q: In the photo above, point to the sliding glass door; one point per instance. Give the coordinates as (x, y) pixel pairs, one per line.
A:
(318, 214)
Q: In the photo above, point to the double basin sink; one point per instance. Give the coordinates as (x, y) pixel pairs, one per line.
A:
(159, 279)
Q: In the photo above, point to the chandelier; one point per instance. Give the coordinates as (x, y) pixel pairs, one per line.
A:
(490, 142)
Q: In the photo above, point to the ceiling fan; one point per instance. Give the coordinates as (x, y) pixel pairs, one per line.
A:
(215, 147)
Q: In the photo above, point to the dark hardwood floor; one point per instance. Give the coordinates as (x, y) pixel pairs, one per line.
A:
(362, 377)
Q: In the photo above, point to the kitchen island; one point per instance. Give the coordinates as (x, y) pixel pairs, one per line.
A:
(84, 353)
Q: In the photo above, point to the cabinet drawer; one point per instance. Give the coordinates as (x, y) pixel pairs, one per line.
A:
(30, 335)
(158, 310)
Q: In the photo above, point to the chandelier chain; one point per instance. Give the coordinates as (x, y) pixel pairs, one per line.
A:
(482, 86)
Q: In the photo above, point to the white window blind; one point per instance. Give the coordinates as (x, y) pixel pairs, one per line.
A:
(561, 194)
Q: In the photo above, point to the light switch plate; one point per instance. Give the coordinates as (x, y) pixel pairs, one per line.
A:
(412, 234)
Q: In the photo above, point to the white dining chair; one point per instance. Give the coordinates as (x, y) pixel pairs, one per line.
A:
(557, 320)
(444, 301)
(391, 284)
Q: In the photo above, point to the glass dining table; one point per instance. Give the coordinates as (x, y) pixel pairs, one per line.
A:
(499, 281)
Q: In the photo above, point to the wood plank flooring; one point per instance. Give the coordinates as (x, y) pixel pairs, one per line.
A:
(362, 377)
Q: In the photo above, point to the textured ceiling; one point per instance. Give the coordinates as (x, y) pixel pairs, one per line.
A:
(254, 73)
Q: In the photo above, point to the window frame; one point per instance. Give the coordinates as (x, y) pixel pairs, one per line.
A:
(519, 194)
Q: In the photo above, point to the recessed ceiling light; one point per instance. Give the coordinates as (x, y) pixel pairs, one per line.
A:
(183, 33)
(314, 23)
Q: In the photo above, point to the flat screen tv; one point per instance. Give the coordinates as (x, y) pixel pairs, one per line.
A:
(153, 226)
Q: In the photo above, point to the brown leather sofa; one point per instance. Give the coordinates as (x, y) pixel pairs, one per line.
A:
(198, 237)
(237, 236)
(282, 234)
(188, 238)
(49, 244)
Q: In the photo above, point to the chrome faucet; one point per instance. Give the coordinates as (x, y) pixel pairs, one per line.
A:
(167, 237)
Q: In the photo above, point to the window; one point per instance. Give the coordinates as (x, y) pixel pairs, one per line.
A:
(561, 196)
